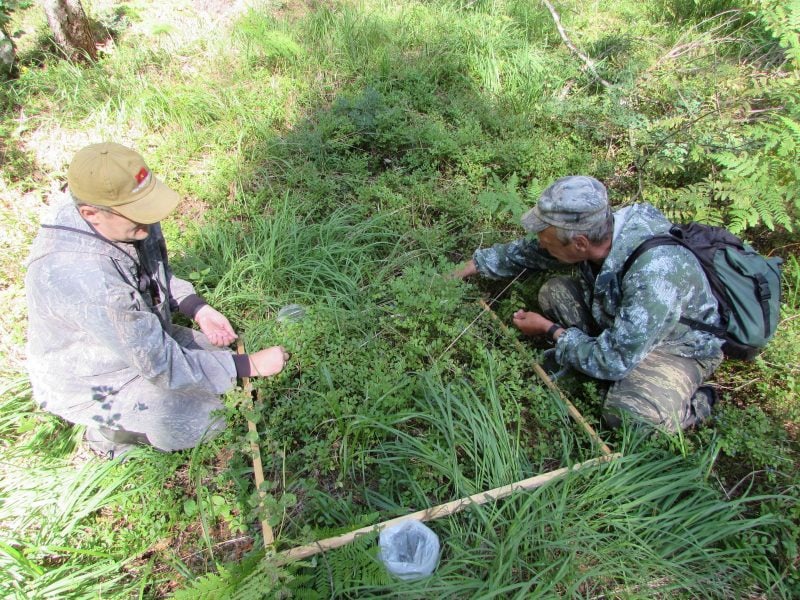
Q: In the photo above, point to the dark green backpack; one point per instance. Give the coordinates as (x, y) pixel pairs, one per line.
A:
(747, 286)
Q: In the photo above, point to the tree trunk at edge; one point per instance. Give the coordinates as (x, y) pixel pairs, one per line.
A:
(70, 28)
(8, 55)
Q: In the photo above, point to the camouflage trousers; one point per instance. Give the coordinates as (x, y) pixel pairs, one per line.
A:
(168, 419)
(661, 390)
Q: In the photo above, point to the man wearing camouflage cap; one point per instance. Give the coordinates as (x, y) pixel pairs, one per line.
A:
(625, 331)
(102, 350)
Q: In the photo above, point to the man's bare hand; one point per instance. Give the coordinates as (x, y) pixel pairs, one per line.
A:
(531, 323)
(268, 362)
(215, 325)
(468, 269)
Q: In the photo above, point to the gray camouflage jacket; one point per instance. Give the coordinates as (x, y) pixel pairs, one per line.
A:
(91, 331)
(636, 314)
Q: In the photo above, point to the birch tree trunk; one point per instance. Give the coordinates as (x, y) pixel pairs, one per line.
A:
(70, 28)
(7, 55)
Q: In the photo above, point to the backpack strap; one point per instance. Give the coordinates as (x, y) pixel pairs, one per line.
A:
(670, 240)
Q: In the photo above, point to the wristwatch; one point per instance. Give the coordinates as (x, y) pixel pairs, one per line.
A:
(552, 331)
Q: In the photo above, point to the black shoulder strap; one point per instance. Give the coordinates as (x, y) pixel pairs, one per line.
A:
(657, 240)
(670, 240)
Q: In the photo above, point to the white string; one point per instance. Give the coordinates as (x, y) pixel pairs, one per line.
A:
(480, 314)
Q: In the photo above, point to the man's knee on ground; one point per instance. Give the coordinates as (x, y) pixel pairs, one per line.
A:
(615, 416)
(553, 292)
(184, 436)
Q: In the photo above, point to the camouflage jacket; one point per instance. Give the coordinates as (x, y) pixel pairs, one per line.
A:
(636, 314)
(95, 327)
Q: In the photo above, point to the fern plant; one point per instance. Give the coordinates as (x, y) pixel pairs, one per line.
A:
(782, 19)
(342, 573)
(251, 579)
(761, 186)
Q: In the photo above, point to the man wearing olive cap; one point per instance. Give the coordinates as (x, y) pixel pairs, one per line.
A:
(622, 330)
(102, 350)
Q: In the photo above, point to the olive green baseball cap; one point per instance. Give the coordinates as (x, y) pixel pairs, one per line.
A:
(577, 203)
(112, 175)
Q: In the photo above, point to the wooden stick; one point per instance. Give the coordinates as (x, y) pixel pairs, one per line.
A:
(574, 412)
(258, 468)
(586, 60)
(437, 512)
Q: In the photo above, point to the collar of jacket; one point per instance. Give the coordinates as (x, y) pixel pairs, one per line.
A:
(69, 232)
(632, 225)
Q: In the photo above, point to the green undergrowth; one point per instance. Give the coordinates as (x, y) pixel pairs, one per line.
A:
(573, 536)
(343, 156)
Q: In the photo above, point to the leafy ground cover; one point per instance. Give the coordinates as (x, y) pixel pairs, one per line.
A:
(343, 156)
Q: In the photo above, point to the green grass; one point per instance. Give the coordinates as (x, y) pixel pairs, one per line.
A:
(578, 536)
(649, 522)
(294, 258)
(343, 156)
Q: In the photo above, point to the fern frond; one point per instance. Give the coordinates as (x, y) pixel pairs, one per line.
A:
(211, 586)
(759, 185)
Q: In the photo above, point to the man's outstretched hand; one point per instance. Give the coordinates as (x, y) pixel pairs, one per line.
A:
(215, 325)
(268, 362)
(468, 269)
(531, 323)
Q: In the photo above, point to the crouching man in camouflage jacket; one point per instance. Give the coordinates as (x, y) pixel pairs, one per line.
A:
(102, 350)
(623, 331)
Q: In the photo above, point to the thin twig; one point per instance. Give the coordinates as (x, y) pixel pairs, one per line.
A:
(680, 49)
(785, 367)
(738, 388)
(719, 481)
(480, 314)
(586, 60)
(191, 555)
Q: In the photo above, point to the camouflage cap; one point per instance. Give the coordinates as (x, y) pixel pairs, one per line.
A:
(112, 175)
(576, 202)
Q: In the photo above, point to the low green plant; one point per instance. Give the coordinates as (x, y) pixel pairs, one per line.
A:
(251, 578)
(215, 507)
(576, 535)
(749, 435)
(343, 156)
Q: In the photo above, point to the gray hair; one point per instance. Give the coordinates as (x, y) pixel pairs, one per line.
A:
(596, 234)
(78, 202)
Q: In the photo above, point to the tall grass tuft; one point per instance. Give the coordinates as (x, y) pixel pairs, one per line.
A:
(284, 257)
(463, 436)
(45, 509)
(647, 524)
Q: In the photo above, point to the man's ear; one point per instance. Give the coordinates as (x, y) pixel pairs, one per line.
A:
(581, 243)
(90, 214)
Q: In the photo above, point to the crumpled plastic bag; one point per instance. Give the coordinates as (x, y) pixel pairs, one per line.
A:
(291, 313)
(409, 550)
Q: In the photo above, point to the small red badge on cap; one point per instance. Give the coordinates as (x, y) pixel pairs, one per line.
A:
(142, 175)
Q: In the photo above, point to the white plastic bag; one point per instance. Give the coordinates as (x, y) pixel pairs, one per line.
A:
(291, 313)
(409, 550)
